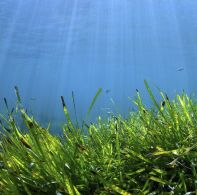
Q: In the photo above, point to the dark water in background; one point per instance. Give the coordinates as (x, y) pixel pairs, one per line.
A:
(50, 48)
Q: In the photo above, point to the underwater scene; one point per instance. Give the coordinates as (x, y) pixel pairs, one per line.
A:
(98, 97)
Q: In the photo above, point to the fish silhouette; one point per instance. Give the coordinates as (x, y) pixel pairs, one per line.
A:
(107, 91)
(180, 69)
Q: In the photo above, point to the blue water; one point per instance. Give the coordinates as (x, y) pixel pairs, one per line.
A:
(50, 48)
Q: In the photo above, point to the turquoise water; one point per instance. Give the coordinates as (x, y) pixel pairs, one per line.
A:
(50, 48)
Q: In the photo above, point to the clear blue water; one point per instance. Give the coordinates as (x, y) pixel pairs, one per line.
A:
(50, 48)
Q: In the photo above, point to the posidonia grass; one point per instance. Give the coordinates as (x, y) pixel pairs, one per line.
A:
(153, 151)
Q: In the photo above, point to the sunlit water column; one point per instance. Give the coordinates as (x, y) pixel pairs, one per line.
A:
(51, 48)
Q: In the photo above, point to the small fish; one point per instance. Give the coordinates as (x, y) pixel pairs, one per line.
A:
(180, 69)
(107, 91)
(33, 99)
(106, 109)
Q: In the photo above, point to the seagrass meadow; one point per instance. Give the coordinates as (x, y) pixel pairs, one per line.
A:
(152, 151)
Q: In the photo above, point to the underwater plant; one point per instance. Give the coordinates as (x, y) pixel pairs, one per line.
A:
(152, 151)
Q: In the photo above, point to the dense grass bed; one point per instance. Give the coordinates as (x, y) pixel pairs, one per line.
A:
(153, 151)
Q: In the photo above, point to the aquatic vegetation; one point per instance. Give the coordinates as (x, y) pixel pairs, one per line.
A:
(153, 151)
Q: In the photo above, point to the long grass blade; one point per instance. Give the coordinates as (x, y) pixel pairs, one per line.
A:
(94, 100)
